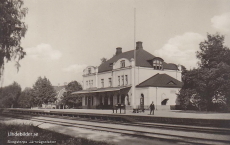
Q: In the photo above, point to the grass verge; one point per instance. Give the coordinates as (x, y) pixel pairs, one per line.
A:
(22, 134)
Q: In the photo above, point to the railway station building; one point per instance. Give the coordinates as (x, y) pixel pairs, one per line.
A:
(131, 81)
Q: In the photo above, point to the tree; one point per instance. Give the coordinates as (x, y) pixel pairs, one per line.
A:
(215, 70)
(189, 88)
(9, 95)
(73, 87)
(24, 100)
(12, 29)
(207, 87)
(42, 92)
(70, 99)
(213, 52)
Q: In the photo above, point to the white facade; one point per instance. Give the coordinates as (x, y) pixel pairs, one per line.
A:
(118, 85)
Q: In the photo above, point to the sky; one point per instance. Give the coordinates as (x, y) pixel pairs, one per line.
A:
(65, 36)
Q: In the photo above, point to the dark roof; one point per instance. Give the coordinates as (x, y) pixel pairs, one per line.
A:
(142, 59)
(96, 90)
(58, 88)
(161, 80)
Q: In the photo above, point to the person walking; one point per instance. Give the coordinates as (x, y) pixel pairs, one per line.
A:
(152, 108)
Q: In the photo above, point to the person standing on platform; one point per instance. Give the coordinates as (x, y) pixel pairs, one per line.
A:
(152, 108)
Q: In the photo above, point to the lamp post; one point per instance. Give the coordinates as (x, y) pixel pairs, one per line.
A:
(156, 98)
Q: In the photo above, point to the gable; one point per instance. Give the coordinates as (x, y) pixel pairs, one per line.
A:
(161, 80)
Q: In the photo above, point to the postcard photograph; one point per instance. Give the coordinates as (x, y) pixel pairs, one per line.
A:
(109, 72)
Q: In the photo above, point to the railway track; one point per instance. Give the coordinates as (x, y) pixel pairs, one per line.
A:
(127, 121)
(137, 129)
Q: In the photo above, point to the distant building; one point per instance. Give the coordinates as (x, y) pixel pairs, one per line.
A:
(117, 79)
(60, 90)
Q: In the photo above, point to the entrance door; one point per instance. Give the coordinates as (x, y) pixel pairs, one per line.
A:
(123, 99)
(142, 102)
(89, 102)
(106, 101)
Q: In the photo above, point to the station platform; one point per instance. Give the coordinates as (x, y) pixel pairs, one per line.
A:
(174, 117)
(157, 113)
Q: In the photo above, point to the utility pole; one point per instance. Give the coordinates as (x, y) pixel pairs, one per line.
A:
(134, 67)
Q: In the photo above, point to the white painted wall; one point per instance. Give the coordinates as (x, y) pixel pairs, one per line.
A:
(121, 73)
(145, 92)
(145, 73)
(159, 94)
(141, 74)
(106, 77)
(89, 78)
(117, 64)
(93, 70)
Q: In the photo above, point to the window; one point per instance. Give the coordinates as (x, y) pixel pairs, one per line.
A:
(122, 79)
(122, 63)
(90, 83)
(126, 79)
(118, 80)
(157, 64)
(110, 82)
(102, 83)
(86, 84)
(171, 83)
(89, 70)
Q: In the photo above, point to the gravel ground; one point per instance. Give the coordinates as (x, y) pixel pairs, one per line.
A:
(111, 138)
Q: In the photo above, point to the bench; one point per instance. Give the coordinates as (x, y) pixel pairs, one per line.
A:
(137, 110)
(119, 106)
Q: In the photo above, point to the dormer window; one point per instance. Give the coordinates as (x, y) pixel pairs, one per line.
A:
(89, 70)
(122, 63)
(157, 64)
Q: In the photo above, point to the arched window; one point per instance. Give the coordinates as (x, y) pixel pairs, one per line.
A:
(142, 102)
(89, 70)
(157, 64)
(164, 102)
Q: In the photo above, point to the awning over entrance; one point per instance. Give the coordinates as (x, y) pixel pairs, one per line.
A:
(98, 90)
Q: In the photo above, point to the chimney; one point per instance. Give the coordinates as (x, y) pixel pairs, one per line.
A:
(139, 45)
(119, 50)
